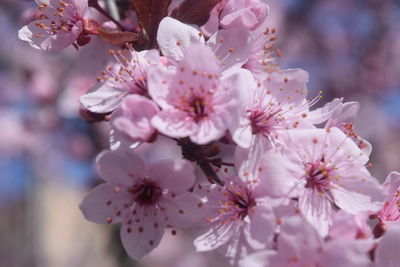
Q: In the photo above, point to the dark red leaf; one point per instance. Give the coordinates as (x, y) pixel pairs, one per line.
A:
(194, 11)
(150, 13)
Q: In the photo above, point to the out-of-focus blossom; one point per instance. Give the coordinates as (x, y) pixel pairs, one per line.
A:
(387, 252)
(349, 226)
(299, 244)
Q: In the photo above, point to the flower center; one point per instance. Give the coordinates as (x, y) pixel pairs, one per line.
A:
(317, 176)
(240, 203)
(196, 106)
(262, 121)
(146, 192)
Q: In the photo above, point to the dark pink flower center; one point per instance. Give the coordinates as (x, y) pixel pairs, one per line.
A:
(317, 176)
(262, 121)
(239, 202)
(146, 192)
(197, 107)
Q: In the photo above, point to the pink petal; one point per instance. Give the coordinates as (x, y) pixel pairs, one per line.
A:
(104, 204)
(341, 146)
(346, 113)
(175, 175)
(174, 123)
(159, 82)
(62, 40)
(242, 18)
(359, 195)
(317, 209)
(387, 253)
(341, 252)
(232, 47)
(216, 236)
(208, 131)
(259, 259)
(103, 98)
(132, 119)
(140, 238)
(183, 210)
(277, 174)
(392, 182)
(262, 220)
(322, 114)
(288, 85)
(121, 167)
(47, 41)
(173, 37)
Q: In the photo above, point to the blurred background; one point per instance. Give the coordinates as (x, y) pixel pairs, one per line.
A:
(351, 48)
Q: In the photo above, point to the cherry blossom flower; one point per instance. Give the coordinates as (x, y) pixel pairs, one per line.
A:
(240, 217)
(196, 102)
(127, 76)
(279, 103)
(390, 214)
(325, 170)
(131, 122)
(239, 220)
(60, 24)
(299, 244)
(145, 199)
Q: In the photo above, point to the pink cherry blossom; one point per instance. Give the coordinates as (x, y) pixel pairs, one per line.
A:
(196, 101)
(279, 103)
(131, 121)
(243, 13)
(59, 25)
(127, 76)
(391, 210)
(240, 219)
(145, 199)
(299, 244)
(325, 170)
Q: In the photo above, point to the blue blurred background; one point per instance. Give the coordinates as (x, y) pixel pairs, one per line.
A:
(351, 48)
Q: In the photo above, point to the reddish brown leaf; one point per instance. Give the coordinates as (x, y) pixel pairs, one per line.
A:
(115, 36)
(194, 11)
(150, 13)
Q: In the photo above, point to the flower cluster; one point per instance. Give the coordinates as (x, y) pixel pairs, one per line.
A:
(266, 178)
